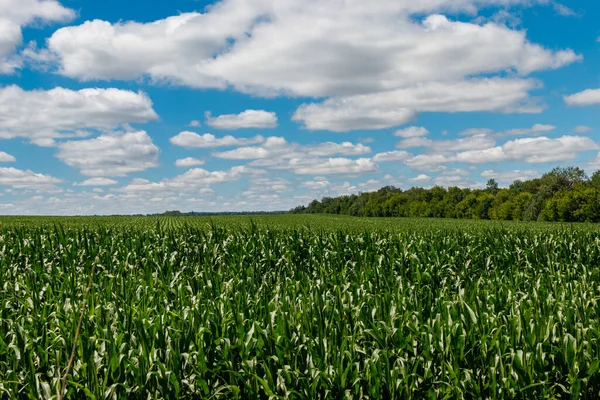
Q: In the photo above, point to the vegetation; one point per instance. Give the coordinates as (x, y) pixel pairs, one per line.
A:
(178, 308)
(564, 194)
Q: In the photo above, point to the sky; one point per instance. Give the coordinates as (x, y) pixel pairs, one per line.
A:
(125, 107)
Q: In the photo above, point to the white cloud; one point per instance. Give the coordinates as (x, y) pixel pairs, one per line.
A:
(413, 142)
(543, 149)
(428, 162)
(97, 182)
(391, 108)
(481, 156)
(385, 56)
(195, 123)
(16, 14)
(246, 119)
(476, 131)
(411, 132)
(392, 156)
(508, 177)
(59, 113)
(586, 98)
(338, 166)
(420, 178)
(191, 181)
(326, 149)
(563, 10)
(582, 129)
(474, 142)
(116, 154)
(27, 179)
(594, 163)
(194, 141)
(536, 129)
(531, 150)
(455, 180)
(278, 148)
(5, 157)
(188, 162)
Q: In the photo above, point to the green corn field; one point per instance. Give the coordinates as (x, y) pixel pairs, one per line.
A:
(299, 308)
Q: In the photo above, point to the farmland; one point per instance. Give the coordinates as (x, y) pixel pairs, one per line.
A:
(296, 306)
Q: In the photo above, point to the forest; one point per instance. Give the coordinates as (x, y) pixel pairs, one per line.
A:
(565, 194)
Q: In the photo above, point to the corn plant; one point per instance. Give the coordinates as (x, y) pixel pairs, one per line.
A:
(180, 309)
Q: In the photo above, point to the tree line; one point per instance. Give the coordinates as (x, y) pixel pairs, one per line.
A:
(564, 194)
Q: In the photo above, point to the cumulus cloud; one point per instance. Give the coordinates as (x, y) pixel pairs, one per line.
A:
(395, 107)
(5, 157)
(192, 140)
(508, 177)
(531, 150)
(411, 132)
(474, 142)
(429, 162)
(26, 179)
(246, 119)
(392, 156)
(420, 178)
(188, 162)
(97, 182)
(476, 131)
(586, 98)
(386, 56)
(189, 181)
(338, 166)
(536, 129)
(582, 129)
(16, 14)
(278, 148)
(115, 154)
(41, 115)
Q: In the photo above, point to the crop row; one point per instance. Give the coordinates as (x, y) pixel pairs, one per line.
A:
(292, 313)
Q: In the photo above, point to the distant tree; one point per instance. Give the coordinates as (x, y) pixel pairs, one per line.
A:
(563, 194)
(491, 186)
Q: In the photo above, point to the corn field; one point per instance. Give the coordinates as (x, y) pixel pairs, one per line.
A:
(252, 311)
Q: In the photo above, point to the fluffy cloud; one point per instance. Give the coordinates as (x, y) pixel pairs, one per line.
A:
(586, 98)
(192, 140)
(476, 131)
(189, 181)
(188, 162)
(97, 182)
(475, 142)
(116, 154)
(5, 157)
(395, 107)
(338, 166)
(59, 113)
(246, 119)
(420, 178)
(428, 162)
(21, 179)
(392, 156)
(531, 150)
(386, 56)
(15, 14)
(508, 177)
(543, 149)
(536, 129)
(411, 132)
(278, 148)
(582, 129)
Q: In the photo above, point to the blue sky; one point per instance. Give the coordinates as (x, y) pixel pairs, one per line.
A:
(141, 107)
